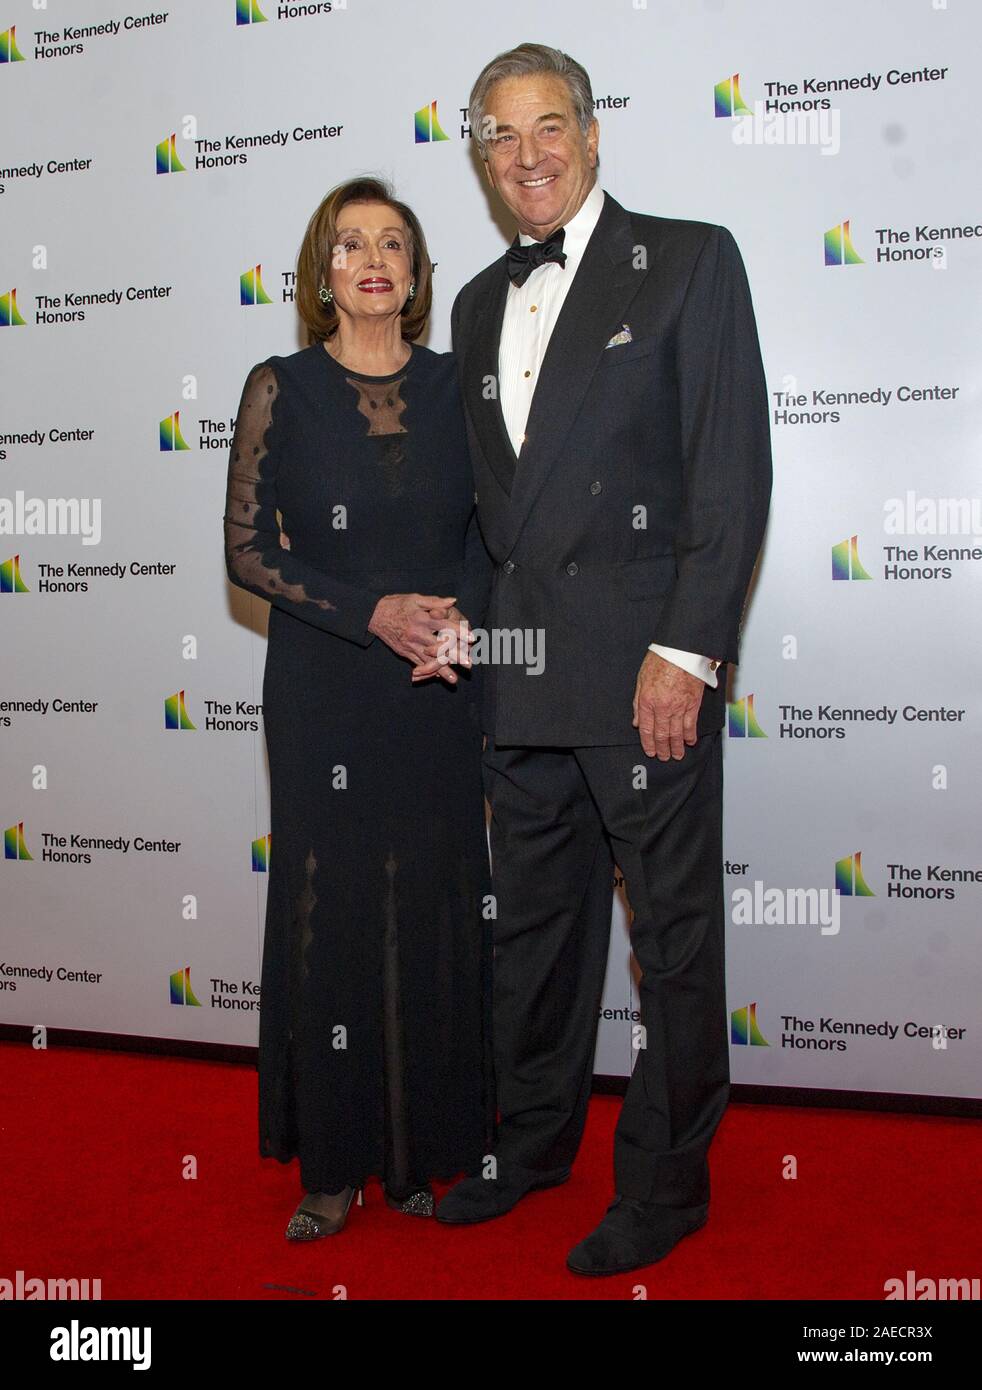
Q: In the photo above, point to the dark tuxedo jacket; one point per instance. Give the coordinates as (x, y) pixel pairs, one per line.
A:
(636, 509)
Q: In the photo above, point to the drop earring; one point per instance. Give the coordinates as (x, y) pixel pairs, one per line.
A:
(412, 289)
(326, 295)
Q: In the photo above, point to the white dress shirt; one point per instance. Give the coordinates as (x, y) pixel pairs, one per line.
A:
(531, 311)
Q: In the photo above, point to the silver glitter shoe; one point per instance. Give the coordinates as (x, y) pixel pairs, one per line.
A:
(311, 1225)
(418, 1203)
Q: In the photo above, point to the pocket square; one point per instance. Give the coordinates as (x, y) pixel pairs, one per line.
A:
(624, 336)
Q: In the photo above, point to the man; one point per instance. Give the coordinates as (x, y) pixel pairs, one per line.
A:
(618, 425)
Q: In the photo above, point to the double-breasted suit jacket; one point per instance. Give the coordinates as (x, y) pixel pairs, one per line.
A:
(636, 508)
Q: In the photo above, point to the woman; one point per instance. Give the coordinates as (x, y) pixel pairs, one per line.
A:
(350, 508)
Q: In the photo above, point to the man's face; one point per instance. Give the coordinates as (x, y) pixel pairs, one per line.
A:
(539, 160)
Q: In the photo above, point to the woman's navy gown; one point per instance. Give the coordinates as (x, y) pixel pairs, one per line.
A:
(374, 1047)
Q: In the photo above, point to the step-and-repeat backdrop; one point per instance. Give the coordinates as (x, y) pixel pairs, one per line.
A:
(157, 170)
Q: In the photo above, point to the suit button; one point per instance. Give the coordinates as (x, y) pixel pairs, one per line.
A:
(572, 567)
(509, 567)
(596, 487)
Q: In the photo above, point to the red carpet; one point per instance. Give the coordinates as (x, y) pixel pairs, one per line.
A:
(94, 1144)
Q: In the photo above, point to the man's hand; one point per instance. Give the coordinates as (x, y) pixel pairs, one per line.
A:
(666, 707)
(450, 644)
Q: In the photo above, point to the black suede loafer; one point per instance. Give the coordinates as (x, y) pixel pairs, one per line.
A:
(634, 1234)
(481, 1199)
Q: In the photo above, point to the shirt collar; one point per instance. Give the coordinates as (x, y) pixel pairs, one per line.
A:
(580, 225)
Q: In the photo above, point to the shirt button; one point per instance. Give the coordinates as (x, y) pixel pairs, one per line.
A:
(572, 567)
(509, 567)
(527, 373)
(532, 308)
(595, 488)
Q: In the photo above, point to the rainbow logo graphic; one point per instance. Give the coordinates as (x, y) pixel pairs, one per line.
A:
(744, 1028)
(9, 313)
(9, 52)
(428, 126)
(180, 988)
(14, 846)
(839, 249)
(849, 879)
(171, 438)
(742, 719)
(727, 98)
(175, 712)
(167, 160)
(845, 560)
(11, 581)
(248, 12)
(260, 854)
(251, 287)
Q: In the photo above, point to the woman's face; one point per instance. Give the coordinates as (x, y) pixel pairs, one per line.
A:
(371, 262)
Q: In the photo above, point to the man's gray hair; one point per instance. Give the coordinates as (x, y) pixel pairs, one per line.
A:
(527, 60)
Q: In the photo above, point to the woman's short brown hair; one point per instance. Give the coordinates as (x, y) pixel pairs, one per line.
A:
(320, 238)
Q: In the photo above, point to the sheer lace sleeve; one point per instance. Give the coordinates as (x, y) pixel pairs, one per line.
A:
(254, 557)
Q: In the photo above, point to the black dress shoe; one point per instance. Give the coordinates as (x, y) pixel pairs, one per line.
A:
(481, 1199)
(633, 1234)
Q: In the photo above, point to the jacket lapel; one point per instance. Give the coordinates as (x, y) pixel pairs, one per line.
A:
(480, 378)
(596, 305)
(604, 285)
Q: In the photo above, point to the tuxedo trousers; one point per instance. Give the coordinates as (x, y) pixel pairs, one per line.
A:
(560, 820)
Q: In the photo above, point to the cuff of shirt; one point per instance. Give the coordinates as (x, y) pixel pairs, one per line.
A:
(696, 665)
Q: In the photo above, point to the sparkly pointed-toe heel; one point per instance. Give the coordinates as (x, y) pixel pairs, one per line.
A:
(312, 1225)
(418, 1203)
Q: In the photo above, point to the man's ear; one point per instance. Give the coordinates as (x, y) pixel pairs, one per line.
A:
(593, 140)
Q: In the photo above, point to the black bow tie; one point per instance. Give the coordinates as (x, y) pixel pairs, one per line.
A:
(522, 260)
